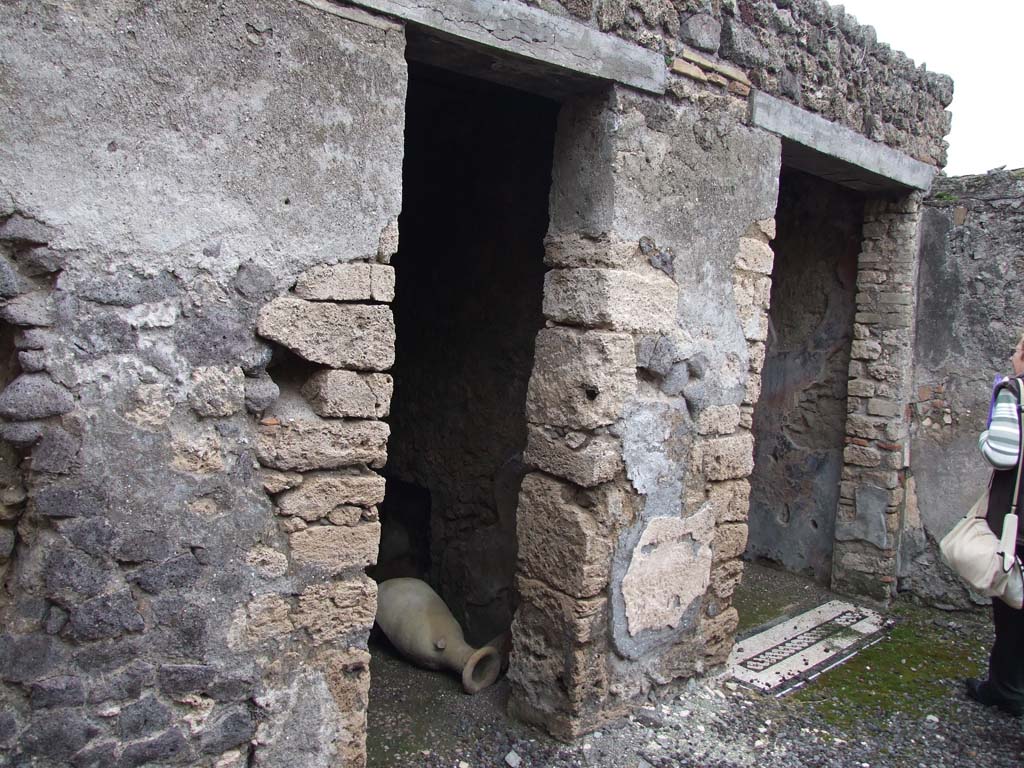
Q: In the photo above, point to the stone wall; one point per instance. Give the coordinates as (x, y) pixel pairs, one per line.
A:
(169, 174)
(640, 402)
(970, 314)
(800, 419)
(809, 52)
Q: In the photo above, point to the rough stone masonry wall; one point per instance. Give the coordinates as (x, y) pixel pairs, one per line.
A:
(639, 406)
(808, 52)
(871, 512)
(167, 174)
(970, 314)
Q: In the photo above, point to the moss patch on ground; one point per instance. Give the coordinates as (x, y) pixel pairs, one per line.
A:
(908, 671)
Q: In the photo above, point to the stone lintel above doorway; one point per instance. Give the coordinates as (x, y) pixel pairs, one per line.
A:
(831, 151)
(535, 35)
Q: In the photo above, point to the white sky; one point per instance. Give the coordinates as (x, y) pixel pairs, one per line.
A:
(980, 44)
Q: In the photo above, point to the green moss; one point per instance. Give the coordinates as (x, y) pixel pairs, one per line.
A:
(945, 197)
(905, 672)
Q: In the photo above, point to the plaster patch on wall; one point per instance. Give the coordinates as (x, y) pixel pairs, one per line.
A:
(669, 570)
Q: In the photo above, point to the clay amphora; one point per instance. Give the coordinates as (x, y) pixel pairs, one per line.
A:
(420, 626)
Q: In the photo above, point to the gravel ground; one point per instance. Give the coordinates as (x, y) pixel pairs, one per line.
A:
(899, 703)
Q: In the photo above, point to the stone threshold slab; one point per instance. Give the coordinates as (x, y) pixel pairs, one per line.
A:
(782, 658)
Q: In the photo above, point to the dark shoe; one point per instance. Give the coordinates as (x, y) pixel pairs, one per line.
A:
(982, 692)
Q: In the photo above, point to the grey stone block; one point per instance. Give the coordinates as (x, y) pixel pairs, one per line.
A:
(22, 435)
(94, 535)
(181, 679)
(7, 539)
(69, 499)
(35, 396)
(59, 691)
(57, 736)
(56, 452)
(25, 229)
(226, 730)
(24, 658)
(702, 31)
(180, 571)
(124, 288)
(11, 281)
(29, 309)
(869, 524)
(164, 747)
(102, 755)
(146, 716)
(71, 576)
(260, 393)
(104, 617)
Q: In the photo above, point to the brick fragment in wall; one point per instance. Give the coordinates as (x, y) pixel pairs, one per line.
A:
(611, 298)
(669, 568)
(321, 492)
(585, 459)
(574, 250)
(217, 391)
(335, 549)
(35, 396)
(342, 394)
(580, 380)
(322, 444)
(718, 419)
(347, 282)
(330, 612)
(560, 543)
(727, 458)
(730, 501)
(356, 336)
(683, 67)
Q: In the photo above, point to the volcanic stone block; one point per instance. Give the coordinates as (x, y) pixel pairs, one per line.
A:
(670, 568)
(575, 250)
(217, 391)
(755, 256)
(560, 543)
(730, 501)
(611, 298)
(31, 309)
(307, 445)
(580, 380)
(105, 617)
(35, 396)
(341, 394)
(336, 548)
(347, 282)
(329, 612)
(260, 393)
(730, 541)
(357, 336)
(321, 492)
(728, 458)
(585, 459)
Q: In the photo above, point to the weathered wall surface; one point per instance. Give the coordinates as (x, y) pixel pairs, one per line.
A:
(640, 402)
(800, 419)
(808, 52)
(164, 173)
(970, 314)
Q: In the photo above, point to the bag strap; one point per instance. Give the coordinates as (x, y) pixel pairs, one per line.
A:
(1016, 390)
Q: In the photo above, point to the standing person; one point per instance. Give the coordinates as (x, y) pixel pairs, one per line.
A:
(1000, 444)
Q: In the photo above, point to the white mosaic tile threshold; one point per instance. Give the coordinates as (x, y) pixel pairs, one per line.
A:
(784, 657)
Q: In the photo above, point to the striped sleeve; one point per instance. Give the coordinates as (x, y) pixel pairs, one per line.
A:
(1000, 443)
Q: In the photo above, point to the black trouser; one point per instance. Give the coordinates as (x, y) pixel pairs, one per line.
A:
(1006, 661)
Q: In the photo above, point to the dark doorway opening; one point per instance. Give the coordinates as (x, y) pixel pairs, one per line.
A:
(800, 419)
(469, 285)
